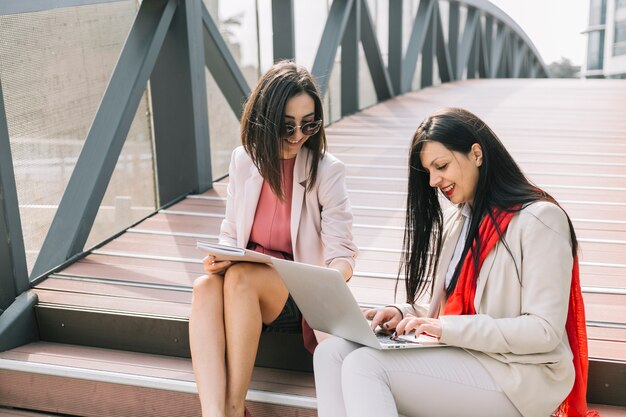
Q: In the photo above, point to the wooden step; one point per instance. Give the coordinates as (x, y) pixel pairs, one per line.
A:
(96, 382)
(146, 326)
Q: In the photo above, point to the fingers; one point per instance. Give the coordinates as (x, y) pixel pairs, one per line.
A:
(419, 325)
(386, 317)
(378, 319)
(369, 313)
(212, 266)
(406, 325)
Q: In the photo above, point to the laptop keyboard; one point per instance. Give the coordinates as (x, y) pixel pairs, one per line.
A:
(385, 339)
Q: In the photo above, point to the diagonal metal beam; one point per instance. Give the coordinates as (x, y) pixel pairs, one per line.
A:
(416, 42)
(467, 40)
(504, 59)
(519, 52)
(428, 50)
(80, 203)
(331, 39)
(444, 61)
(222, 65)
(394, 45)
(487, 42)
(498, 47)
(378, 71)
(534, 70)
(472, 60)
(483, 52)
(350, 62)
(527, 63)
(453, 34)
(13, 268)
(509, 47)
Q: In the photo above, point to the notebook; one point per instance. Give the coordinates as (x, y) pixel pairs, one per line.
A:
(231, 253)
(328, 305)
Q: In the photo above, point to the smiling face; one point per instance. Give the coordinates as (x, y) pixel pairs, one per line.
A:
(454, 173)
(299, 109)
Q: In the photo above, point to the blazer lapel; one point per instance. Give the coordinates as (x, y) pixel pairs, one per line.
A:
(483, 275)
(450, 240)
(252, 191)
(297, 197)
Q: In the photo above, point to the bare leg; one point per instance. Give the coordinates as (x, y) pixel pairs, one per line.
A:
(207, 343)
(253, 294)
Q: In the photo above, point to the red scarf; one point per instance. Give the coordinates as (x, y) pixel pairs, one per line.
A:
(461, 301)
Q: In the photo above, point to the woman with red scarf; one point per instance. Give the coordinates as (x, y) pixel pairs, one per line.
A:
(505, 296)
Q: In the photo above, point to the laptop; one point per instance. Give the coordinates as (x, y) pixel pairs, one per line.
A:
(328, 305)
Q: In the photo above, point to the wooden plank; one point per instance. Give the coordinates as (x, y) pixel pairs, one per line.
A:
(184, 224)
(194, 268)
(114, 289)
(149, 365)
(114, 304)
(133, 273)
(91, 398)
(605, 333)
(210, 206)
(605, 307)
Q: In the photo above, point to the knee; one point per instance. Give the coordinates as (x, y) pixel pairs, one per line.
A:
(237, 279)
(363, 362)
(331, 352)
(207, 284)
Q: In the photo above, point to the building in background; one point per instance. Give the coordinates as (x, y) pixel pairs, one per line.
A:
(606, 40)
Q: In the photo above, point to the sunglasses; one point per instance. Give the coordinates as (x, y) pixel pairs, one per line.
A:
(307, 129)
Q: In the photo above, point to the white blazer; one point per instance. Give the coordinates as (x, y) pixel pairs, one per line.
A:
(518, 332)
(321, 219)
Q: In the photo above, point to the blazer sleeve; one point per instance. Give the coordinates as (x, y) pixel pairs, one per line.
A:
(336, 213)
(546, 275)
(228, 229)
(417, 310)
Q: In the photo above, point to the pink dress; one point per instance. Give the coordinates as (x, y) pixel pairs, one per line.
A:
(271, 229)
(271, 234)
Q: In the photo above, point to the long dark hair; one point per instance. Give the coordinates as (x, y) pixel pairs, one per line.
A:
(263, 121)
(501, 184)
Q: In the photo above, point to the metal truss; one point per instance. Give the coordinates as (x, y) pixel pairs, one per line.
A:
(172, 42)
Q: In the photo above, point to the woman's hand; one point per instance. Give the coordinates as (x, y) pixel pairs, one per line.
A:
(211, 266)
(385, 317)
(420, 325)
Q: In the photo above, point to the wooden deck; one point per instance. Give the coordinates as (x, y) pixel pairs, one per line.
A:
(133, 294)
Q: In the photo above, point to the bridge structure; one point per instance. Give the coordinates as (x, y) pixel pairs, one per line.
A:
(102, 330)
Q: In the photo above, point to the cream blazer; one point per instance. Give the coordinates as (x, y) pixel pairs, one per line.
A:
(321, 219)
(518, 332)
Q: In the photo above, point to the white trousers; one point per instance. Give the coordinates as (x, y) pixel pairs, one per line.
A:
(356, 381)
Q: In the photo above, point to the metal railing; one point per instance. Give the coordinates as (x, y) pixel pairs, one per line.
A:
(170, 44)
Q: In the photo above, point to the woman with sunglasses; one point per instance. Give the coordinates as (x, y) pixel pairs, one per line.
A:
(505, 297)
(287, 198)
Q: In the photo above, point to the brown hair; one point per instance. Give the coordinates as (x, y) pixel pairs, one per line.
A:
(263, 120)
